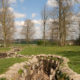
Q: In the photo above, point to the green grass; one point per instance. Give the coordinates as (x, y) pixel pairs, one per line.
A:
(6, 63)
(18, 45)
(71, 52)
(4, 49)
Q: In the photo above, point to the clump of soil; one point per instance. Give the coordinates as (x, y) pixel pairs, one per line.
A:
(3, 55)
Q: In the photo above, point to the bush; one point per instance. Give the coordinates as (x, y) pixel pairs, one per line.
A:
(51, 43)
(77, 42)
(40, 42)
(48, 42)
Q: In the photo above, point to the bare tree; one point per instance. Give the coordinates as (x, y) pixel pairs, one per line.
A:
(53, 31)
(64, 9)
(28, 30)
(7, 23)
(44, 15)
(54, 25)
(78, 21)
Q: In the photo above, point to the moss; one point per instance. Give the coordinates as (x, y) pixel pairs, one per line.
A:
(20, 72)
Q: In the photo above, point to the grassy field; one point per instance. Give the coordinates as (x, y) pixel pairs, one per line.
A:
(4, 49)
(71, 52)
(6, 63)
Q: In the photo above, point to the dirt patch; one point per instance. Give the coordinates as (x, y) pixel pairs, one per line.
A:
(3, 55)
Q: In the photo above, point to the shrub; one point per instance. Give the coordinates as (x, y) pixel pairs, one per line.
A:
(40, 42)
(77, 42)
(48, 42)
(20, 71)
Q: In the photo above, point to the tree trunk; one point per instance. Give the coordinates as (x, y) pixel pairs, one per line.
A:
(60, 22)
(3, 24)
(44, 37)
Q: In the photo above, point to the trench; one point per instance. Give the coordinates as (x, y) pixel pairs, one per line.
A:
(10, 53)
(47, 68)
(41, 67)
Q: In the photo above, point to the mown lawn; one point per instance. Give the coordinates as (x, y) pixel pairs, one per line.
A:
(18, 45)
(4, 49)
(6, 63)
(71, 52)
